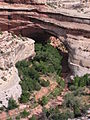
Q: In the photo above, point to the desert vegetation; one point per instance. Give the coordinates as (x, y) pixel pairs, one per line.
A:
(47, 62)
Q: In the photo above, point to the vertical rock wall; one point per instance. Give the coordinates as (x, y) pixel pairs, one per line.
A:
(12, 50)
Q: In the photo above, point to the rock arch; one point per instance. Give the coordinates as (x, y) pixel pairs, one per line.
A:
(73, 29)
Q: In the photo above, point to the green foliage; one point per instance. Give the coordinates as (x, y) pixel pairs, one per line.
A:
(17, 117)
(72, 88)
(55, 114)
(68, 114)
(44, 83)
(47, 60)
(1, 32)
(56, 91)
(44, 101)
(24, 114)
(85, 107)
(24, 97)
(22, 64)
(73, 102)
(12, 104)
(79, 91)
(70, 101)
(33, 118)
(9, 118)
(82, 81)
(61, 82)
(37, 86)
(77, 111)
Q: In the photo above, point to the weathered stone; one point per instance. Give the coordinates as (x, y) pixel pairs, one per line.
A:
(14, 49)
(71, 26)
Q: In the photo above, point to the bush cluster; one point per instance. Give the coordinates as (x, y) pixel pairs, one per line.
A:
(44, 83)
(55, 114)
(82, 81)
(47, 60)
(24, 114)
(43, 101)
(12, 104)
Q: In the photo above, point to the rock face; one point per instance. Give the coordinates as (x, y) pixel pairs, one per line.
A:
(79, 54)
(71, 26)
(12, 50)
(24, 1)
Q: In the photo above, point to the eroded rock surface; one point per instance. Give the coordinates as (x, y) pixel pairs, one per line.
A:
(12, 50)
(71, 26)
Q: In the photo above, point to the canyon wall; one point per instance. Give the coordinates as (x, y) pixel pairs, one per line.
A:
(12, 50)
(32, 18)
(24, 1)
(71, 26)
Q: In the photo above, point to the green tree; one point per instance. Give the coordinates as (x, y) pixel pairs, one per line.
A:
(44, 83)
(33, 118)
(44, 101)
(24, 97)
(24, 114)
(12, 104)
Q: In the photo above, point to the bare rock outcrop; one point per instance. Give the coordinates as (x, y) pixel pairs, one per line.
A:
(71, 26)
(24, 1)
(79, 54)
(12, 50)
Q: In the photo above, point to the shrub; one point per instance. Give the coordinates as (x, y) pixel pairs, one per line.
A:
(69, 114)
(56, 92)
(1, 32)
(72, 88)
(79, 91)
(47, 60)
(22, 63)
(85, 107)
(82, 81)
(66, 115)
(10, 118)
(12, 104)
(55, 114)
(24, 97)
(24, 114)
(61, 82)
(73, 103)
(44, 101)
(70, 100)
(77, 111)
(33, 74)
(17, 117)
(33, 118)
(37, 86)
(44, 83)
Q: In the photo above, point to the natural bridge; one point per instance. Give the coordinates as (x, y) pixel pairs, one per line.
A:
(71, 27)
(39, 21)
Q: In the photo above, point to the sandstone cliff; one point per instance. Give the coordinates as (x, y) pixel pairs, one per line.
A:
(69, 25)
(12, 49)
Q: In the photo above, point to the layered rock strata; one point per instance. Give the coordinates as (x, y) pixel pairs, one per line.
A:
(69, 25)
(12, 50)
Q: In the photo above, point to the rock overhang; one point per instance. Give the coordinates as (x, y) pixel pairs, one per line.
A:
(71, 26)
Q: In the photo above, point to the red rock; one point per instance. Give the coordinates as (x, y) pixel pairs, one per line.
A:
(13, 112)
(3, 116)
(59, 98)
(22, 107)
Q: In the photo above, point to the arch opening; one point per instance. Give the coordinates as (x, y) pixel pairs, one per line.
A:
(42, 36)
